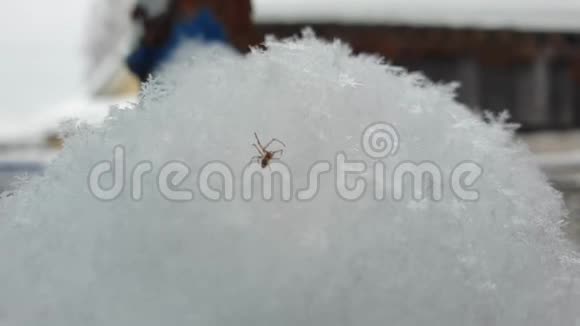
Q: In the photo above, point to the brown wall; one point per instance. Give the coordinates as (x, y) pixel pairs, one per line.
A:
(237, 16)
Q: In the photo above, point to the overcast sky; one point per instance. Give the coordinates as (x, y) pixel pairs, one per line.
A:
(41, 46)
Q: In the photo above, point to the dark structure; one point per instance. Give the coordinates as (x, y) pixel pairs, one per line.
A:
(536, 76)
(237, 17)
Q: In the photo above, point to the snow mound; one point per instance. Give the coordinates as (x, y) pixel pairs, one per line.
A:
(71, 259)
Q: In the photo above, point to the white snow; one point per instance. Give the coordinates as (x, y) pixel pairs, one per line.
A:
(26, 137)
(541, 15)
(71, 259)
(81, 107)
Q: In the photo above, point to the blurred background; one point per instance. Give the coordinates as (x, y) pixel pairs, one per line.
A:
(67, 59)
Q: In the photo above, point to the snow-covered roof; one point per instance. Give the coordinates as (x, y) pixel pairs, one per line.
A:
(82, 107)
(537, 15)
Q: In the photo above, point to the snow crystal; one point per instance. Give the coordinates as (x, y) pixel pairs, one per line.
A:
(71, 259)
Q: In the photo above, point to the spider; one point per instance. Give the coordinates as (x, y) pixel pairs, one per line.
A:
(265, 155)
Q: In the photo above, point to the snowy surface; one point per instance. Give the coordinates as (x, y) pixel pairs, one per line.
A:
(13, 169)
(519, 14)
(26, 137)
(558, 155)
(70, 259)
(82, 107)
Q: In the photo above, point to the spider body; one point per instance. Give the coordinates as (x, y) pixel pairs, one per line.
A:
(266, 156)
(266, 159)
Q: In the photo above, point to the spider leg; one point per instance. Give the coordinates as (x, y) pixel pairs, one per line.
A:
(258, 149)
(258, 140)
(274, 140)
(281, 151)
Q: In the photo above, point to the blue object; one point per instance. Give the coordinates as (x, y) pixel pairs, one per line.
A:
(204, 27)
